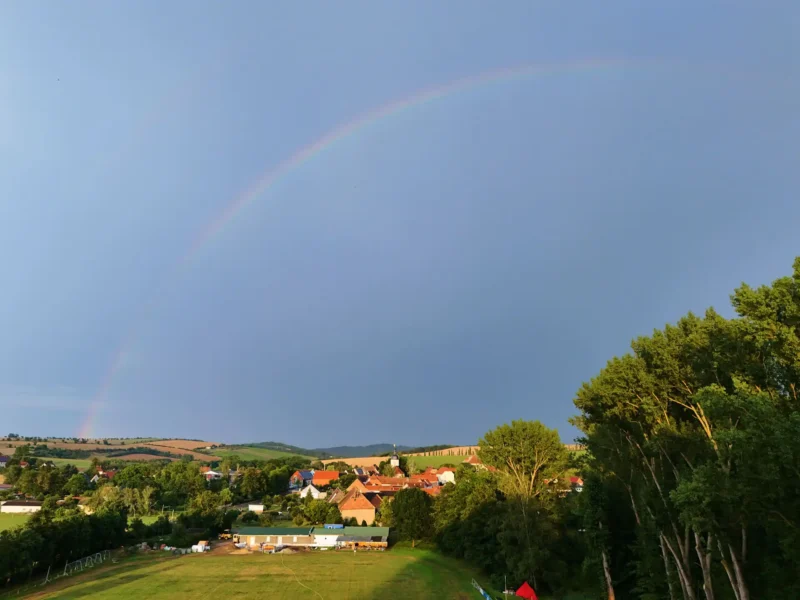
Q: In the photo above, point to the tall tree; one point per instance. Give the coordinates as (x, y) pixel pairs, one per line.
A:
(411, 510)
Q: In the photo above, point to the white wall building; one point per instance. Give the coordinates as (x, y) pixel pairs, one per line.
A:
(326, 538)
(313, 492)
(446, 477)
(20, 506)
(256, 508)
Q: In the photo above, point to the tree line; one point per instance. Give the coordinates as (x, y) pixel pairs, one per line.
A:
(693, 476)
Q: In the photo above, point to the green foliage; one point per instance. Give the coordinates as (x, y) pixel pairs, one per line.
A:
(698, 430)
(316, 511)
(527, 453)
(412, 514)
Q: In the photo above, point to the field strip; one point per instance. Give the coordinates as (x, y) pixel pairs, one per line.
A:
(298, 579)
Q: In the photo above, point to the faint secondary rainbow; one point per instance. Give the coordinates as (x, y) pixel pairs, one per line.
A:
(303, 155)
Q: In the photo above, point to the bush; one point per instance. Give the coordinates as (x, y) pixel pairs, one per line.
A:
(249, 517)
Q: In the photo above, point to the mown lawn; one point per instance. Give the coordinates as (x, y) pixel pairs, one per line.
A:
(254, 453)
(9, 520)
(401, 573)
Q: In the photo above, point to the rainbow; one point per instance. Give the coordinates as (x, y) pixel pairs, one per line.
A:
(337, 134)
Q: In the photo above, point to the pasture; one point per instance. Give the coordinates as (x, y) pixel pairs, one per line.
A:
(399, 573)
(254, 453)
(79, 463)
(11, 520)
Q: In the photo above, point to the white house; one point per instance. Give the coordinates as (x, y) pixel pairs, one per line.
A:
(256, 508)
(4, 461)
(313, 492)
(446, 477)
(20, 506)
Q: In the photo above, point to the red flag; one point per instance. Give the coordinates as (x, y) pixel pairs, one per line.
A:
(526, 591)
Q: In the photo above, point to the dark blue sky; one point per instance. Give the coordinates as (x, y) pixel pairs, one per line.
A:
(464, 262)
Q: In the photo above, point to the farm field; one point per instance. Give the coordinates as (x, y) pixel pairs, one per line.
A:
(11, 520)
(79, 463)
(423, 462)
(254, 453)
(142, 457)
(399, 573)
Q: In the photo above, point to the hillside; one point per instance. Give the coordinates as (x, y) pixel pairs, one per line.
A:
(331, 452)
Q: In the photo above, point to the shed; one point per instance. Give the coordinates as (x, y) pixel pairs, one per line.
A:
(274, 536)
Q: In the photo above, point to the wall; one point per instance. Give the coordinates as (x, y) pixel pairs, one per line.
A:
(20, 509)
(361, 514)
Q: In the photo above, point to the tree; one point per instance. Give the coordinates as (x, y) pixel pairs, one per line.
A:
(411, 509)
(248, 517)
(76, 485)
(334, 515)
(316, 511)
(527, 452)
(386, 514)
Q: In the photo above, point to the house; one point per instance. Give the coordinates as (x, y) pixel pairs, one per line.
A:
(4, 461)
(256, 508)
(427, 478)
(212, 475)
(359, 507)
(322, 478)
(23, 464)
(443, 474)
(274, 536)
(336, 496)
(313, 492)
(576, 483)
(103, 475)
(20, 506)
(300, 478)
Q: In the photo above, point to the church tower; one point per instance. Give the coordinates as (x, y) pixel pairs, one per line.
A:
(395, 460)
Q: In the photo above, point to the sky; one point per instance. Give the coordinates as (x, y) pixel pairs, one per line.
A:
(360, 222)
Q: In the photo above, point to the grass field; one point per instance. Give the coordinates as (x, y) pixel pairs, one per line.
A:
(400, 573)
(253, 453)
(78, 463)
(9, 520)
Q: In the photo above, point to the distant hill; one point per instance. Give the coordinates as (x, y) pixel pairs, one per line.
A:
(332, 452)
(355, 451)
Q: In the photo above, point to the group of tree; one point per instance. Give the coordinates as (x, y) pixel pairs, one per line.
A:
(693, 477)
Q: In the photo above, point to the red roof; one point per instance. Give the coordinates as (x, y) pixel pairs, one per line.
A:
(205, 469)
(576, 480)
(375, 500)
(357, 502)
(473, 460)
(429, 477)
(381, 480)
(325, 477)
(399, 472)
(526, 591)
(433, 491)
(447, 470)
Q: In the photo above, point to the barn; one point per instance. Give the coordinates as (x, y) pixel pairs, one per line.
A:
(274, 536)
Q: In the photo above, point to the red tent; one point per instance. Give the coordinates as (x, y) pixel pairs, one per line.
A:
(526, 591)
